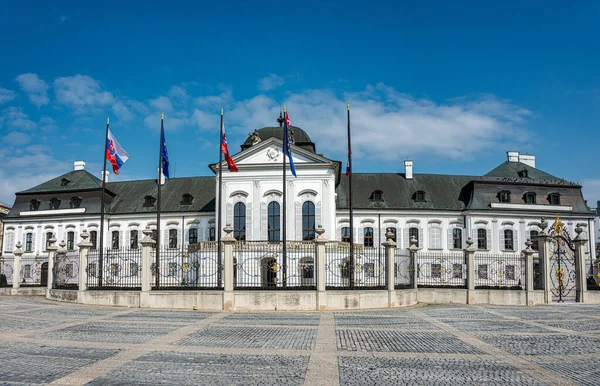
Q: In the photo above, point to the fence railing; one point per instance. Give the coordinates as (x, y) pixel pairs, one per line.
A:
(365, 271)
(263, 265)
(121, 269)
(403, 269)
(34, 270)
(499, 271)
(7, 267)
(193, 267)
(66, 271)
(441, 270)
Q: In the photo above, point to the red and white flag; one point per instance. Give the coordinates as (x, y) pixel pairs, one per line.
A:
(230, 164)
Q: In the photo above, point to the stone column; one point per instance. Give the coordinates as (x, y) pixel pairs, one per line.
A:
(412, 249)
(319, 267)
(228, 295)
(84, 248)
(61, 253)
(470, 258)
(390, 260)
(146, 242)
(581, 285)
(528, 252)
(52, 248)
(17, 269)
(543, 240)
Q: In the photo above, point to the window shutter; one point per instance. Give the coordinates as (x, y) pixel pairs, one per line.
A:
(420, 238)
(516, 240)
(10, 240)
(405, 237)
(450, 242)
(264, 225)
(502, 240)
(463, 236)
(43, 241)
(361, 235)
(76, 240)
(207, 233)
(318, 215)
(140, 235)
(127, 243)
(298, 220)
(488, 233)
(376, 241)
(249, 225)
(186, 235)
(24, 242)
(33, 248)
(228, 216)
(338, 232)
(165, 238)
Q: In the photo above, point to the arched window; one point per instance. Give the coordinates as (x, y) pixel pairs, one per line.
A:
(413, 232)
(504, 196)
(435, 237)
(368, 237)
(533, 237)
(346, 234)
(529, 198)
(70, 240)
(456, 238)
(273, 221)
(93, 239)
(481, 239)
(508, 240)
(554, 198)
(308, 221)
(172, 238)
(193, 235)
(75, 202)
(239, 221)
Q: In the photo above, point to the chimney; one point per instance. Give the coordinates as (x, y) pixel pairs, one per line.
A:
(408, 169)
(79, 165)
(527, 159)
(105, 175)
(162, 177)
(513, 156)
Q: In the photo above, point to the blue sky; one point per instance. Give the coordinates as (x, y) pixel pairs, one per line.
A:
(451, 86)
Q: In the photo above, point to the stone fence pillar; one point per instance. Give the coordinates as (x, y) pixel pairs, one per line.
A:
(528, 252)
(412, 249)
(390, 264)
(84, 248)
(61, 254)
(18, 253)
(52, 248)
(147, 242)
(470, 260)
(543, 240)
(581, 284)
(228, 241)
(320, 261)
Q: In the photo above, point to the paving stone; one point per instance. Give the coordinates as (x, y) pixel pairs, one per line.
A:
(112, 332)
(346, 321)
(253, 337)
(164, 316)
(428, 371)
(495, 326)
(272, 319)
(172, 368)
(15, 323)
(555, 344)
(399, 341)
(448, 312)
(584, 371)
(575, 325)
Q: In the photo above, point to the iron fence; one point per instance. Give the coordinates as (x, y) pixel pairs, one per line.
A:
(34, 270)
(7, 265)
(66, 271)
(499, 271)
(438, 270)
(366, 270)
(195, 267)
(262, 265)
(403, 269)
(121, 269)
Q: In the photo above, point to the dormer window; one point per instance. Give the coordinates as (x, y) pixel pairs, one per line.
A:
(64, 182)
(149, 201)
(75, 202)
(54, 203)
(524, 173)
(419, 196)
(554, 198)
(187, 199)
(377, 195)
(529, 198)
(504, 196)
(34, 204)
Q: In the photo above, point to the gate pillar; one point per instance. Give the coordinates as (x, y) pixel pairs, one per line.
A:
(580, 285)
(528, 252)
(228, 295)
(543, 240)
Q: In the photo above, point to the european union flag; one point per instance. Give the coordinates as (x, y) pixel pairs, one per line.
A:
(164, 156)
(286, 144)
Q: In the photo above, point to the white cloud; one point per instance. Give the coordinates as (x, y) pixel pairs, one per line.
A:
(271, 82)
(36, 88)
(14, 118)
(122, 111)
(15, 138)
(178, 93)
(6, 95)
(162, 103)
(591, 191)
(81, 93)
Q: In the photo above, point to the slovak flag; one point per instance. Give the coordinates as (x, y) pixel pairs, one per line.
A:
(115, 153)
(225, 149)
(348, 164)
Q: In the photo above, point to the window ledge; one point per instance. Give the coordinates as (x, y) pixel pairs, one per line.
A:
(52, 211)
(540, 207)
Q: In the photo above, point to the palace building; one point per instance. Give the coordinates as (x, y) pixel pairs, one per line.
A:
(499, 210)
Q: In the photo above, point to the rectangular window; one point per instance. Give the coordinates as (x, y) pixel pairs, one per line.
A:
(508, 240)
(368, 242)
(510, 272)
(457, 271)
(94, 239)
(369, 269)
(435, 238)
(413, 233)
(457, 238)
(172, 238)
(481, 239)
(193, 235)
(133, 239)
(70, 240)
(29, 242)
(533, 238)
(115, 240)
(211, 234)
(48, 238)
(482, 271)
(346, 234)
(436, 271)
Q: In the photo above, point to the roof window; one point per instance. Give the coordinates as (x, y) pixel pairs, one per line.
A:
(377, 195)
(419, 196)
(64, 182)
(54, 203)
(34, 204)
(149, 201)
(187, 199)
(554, 198)
(504, 196)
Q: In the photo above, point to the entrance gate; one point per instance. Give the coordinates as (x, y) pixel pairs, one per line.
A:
(563, 273)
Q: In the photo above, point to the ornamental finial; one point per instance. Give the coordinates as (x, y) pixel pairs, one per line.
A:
(558, 225)
(221, 111)
(348, 106)
(284, 109)
(162, 116)
(108, 120)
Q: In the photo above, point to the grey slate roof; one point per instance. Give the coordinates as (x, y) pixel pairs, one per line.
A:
(442, 192)
(130, 195)
(301, 139)
(512, 170)
(78, 180)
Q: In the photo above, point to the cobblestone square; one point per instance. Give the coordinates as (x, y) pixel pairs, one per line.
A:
(43, 342)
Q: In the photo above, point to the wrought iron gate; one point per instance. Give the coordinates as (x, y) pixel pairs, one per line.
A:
(563, 274)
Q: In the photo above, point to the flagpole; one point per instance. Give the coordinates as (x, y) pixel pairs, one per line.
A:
(285, 152)
(220, 195)
(159, 181)
(101, 256)
(350, 202)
